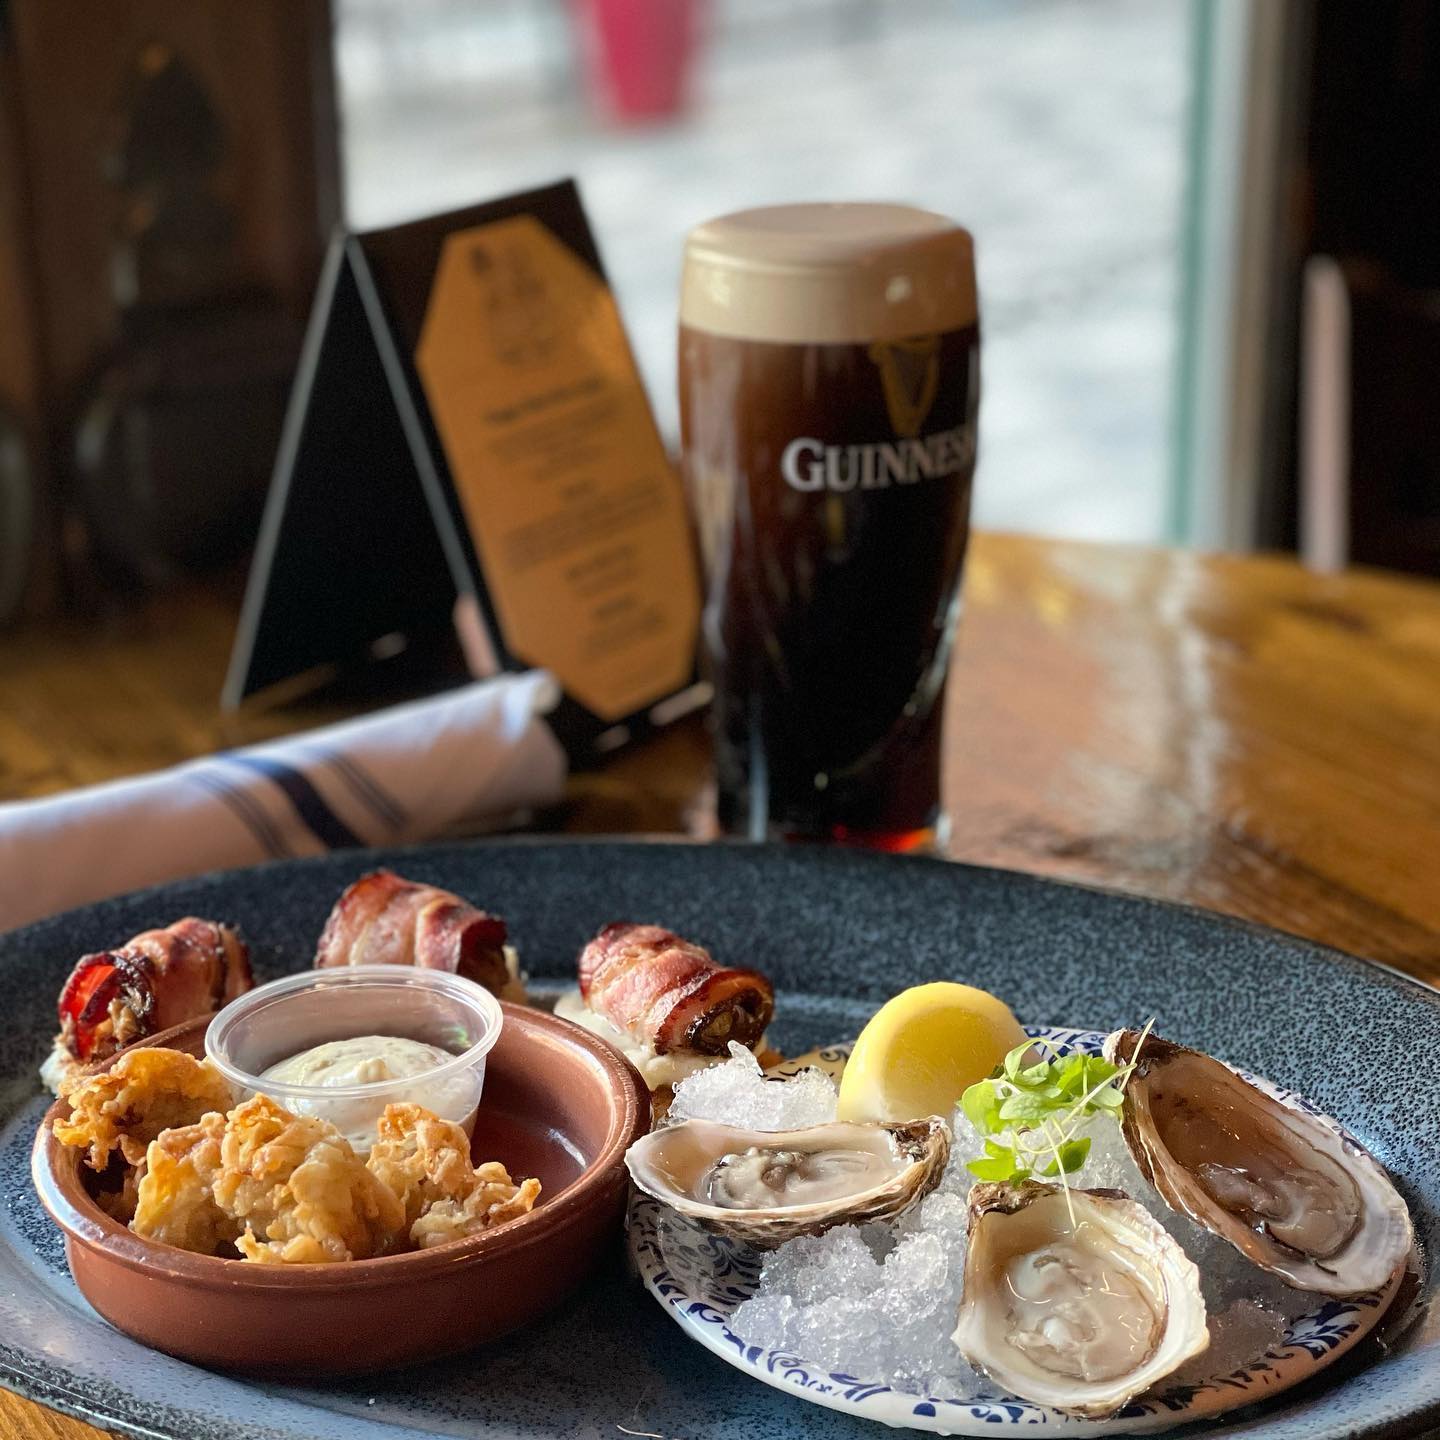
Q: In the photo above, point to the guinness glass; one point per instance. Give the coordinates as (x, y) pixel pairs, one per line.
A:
(829, 379)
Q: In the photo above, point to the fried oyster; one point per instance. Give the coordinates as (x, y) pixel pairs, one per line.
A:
(144, 1093)
(175, 1200)
(425, 1162)
(299, 1189)
(278, 1188)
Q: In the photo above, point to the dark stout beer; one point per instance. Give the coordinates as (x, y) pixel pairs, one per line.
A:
(829, 378)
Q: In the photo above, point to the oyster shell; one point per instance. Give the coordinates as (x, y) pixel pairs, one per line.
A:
(1287, 1191)
(1081, 1317)
(766, 1187)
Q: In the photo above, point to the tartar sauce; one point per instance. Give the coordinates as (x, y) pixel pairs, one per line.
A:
(373, 1060)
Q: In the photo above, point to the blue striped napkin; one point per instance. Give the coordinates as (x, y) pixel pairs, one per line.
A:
(449, 765)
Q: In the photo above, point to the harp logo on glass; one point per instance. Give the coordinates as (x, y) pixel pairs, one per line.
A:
(909, 375)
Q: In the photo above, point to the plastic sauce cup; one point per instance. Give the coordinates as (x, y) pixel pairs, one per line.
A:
(275, 1021)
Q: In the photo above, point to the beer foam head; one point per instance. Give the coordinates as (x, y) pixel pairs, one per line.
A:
(828, 274)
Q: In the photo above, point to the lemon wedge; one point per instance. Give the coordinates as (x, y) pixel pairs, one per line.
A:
(922, 1049)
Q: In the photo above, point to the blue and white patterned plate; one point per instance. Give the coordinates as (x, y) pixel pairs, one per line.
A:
(702, 1278)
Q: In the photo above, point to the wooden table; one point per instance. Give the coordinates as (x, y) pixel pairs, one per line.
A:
(1229, 731)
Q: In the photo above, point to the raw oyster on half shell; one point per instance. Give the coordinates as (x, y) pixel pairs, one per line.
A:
(766, 1187)
(1286, 1190)
(1079, 1314)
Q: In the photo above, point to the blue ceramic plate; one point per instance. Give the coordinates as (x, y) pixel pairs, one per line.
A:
(839, 933)
(701, 1278)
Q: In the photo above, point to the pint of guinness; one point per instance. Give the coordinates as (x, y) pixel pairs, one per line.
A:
(829, 380)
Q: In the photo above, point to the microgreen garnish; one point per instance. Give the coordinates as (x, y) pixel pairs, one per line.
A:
(1029, 1110)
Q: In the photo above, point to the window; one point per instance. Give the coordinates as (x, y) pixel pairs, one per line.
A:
(1055, 129)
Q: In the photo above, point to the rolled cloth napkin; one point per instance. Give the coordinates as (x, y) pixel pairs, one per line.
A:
(433, 767)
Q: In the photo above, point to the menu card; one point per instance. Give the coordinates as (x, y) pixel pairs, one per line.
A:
(469, 441)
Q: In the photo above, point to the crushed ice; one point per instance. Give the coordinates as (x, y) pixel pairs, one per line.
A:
(879, 1302)
(739, 1093)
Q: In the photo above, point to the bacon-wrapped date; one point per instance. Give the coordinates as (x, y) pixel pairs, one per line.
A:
(157, 979)
(668, 993)
(383, 919)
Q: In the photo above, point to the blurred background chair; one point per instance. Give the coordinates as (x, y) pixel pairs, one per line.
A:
(1370, 421)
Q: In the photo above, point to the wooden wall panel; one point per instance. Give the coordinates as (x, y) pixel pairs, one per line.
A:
(266, 67)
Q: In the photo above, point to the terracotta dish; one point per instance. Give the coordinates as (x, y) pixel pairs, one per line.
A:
(559, 1103)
